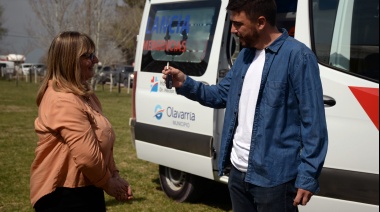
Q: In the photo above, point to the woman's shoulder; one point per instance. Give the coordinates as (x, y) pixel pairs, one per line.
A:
(51, 96)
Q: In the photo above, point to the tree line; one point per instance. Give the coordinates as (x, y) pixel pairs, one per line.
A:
(112, 24)
(3, 31)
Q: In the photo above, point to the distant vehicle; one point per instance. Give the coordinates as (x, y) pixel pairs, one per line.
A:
(39, 67)
(123, 74)
(25, 67)
(120, 74)
(7, 67)
(105, 75)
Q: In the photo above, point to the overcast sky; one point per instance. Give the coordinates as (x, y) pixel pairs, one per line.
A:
(16, 16)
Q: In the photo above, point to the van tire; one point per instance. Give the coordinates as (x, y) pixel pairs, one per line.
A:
(179, 185)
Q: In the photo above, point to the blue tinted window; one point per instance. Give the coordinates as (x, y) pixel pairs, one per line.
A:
(181, 34)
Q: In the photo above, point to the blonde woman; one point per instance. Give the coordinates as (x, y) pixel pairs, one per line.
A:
(74, 161)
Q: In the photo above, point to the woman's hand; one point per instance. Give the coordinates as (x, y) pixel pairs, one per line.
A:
(119, 189)
(128, 195)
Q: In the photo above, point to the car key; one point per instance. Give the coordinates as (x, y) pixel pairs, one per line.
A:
(169, 79)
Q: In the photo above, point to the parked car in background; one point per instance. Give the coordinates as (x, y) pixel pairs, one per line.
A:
(40, 68)
(7, 66)
(120, 74)
(104, 75)
(25, 67)
(124, 75)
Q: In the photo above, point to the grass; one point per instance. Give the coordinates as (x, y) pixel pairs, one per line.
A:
(18, 141)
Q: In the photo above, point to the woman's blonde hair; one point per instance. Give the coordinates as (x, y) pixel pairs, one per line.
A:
(63, 64)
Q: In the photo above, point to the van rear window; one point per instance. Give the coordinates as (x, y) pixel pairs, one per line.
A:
(181, 34)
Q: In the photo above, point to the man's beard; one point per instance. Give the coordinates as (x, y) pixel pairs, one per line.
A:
(249, 42)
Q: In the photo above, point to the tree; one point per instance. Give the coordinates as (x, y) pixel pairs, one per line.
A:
(135, 3)
(126, 27)
(89, 16)
(3, 31)
(113, 27)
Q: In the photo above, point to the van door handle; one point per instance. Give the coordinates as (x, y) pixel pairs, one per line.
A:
(329, 101)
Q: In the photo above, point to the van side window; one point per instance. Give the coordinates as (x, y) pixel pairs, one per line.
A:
(346, 35)
(181, 34)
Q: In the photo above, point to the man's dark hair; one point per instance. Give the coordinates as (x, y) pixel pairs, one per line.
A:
(255, 8)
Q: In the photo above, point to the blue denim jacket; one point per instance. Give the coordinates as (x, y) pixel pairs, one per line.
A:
(289, 135)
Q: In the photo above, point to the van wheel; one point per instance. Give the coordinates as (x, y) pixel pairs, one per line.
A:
(179, 185)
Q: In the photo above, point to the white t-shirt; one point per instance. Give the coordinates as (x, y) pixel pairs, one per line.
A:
(247, 106)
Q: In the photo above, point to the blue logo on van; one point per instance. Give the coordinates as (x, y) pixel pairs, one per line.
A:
(158, 112)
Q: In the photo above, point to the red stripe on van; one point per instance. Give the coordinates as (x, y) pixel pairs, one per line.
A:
(369, 100)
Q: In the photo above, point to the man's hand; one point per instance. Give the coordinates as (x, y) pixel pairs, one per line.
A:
(178, 76)
(302, 198)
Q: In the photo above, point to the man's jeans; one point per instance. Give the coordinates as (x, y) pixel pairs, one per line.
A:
(246, 197)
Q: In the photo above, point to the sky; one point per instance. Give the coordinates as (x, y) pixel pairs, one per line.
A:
(17, 15)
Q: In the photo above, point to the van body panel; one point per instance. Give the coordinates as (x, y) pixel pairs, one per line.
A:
(195, 143)
(353, 138)
(165, 108)
(184, 161)
(318, 203)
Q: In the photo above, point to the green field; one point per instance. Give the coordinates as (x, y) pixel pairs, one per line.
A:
(18, 141)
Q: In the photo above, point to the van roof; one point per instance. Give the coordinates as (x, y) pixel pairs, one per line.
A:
(7, 62)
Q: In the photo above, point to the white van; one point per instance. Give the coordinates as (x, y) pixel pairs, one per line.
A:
(40, 68)
(7, 67)
(26, 68)
(183, 137)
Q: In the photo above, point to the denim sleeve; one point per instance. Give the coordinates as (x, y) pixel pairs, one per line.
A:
(214, 96)
(308, 89)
